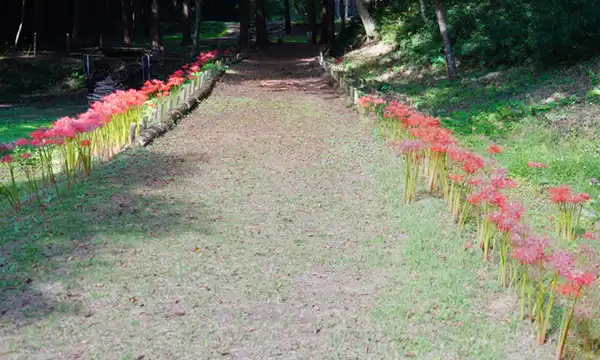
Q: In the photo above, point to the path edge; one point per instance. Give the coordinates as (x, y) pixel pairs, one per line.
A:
(147, 136)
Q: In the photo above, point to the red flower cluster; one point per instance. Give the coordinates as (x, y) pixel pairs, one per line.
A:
(562, 194)
(474, 188)
(101, 131)
(159, 88)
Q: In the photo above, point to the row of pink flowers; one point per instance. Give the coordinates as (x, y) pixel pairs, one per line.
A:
(99, 133)
(538, 266)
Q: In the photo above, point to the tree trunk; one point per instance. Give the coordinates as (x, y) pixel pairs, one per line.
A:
(346, 6)
(343, 8)
(324, 22)
(155, 28)
(262, 37)
(197, 23)
(21, 23)
(175, 9)
(147, 17)
(126, 18)
(367, 20)
(312, 20)
(331, 20)
(244, 41)
(76, 23)
(37, 16)
(440, 13)
(422, 10)
(185, 22)
(138, 22)
(288, 17)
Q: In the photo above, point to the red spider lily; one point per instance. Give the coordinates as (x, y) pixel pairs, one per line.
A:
(23, 142)
(457, 178)
(84, 143)
(365, 101)
(569, 210)
(580, 198)
(560, 194)
(569, 289)
(590, 235)
(25, 156)
(494, 149)
(6, 159)
(537, 165)
(531, 251)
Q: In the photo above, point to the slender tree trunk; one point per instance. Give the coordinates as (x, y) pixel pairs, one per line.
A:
(21, 23)
(440, 13)
(262, 36)
(331, 21)
(324, 22)
(185, 22)
(244, 41)
(422, 10)
(37, 16)
(138, 22)
(175, 9)
(76, 24)
(147, 17)
(367, 20)
(346, 6)
(155, 28)
(343, 9)
(126, 18)
(312, 20)
(288, 17)
(197, 23)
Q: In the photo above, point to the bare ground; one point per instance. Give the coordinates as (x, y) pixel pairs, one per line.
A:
(265, 226)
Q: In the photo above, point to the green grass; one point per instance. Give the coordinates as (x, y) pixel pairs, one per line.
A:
(20, 121)
(293, 39)
(208, 30)
(548, 116)
(322, 246)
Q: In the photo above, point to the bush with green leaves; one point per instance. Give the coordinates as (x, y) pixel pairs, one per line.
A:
(491, 33)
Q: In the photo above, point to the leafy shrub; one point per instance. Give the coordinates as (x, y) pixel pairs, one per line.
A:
(498, 32)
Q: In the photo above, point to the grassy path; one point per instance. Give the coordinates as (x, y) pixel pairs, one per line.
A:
(266, 226)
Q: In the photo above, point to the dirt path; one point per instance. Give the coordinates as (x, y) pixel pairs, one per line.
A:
(265, 226)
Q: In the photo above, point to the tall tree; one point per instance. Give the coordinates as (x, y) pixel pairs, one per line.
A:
(155, 27)
(343, 4)
(138, 19)
(324, 21)
(422, 10)
(126, 18)
(185, 22)
(366, 18)
(312, 20)
(440, 13)
(37, 16)
(262, 36)
(76, 23)
(288, 17)
(23, 3)
(244, 42)
(197, 23)
(331, 21)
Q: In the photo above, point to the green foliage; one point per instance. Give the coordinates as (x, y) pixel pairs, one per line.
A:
(498, 32)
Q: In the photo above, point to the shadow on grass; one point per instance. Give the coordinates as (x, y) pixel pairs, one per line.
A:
(506, 95)
(105, 216)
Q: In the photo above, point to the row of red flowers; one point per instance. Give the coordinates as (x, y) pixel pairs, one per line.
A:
(537, 266)
(72, 144)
